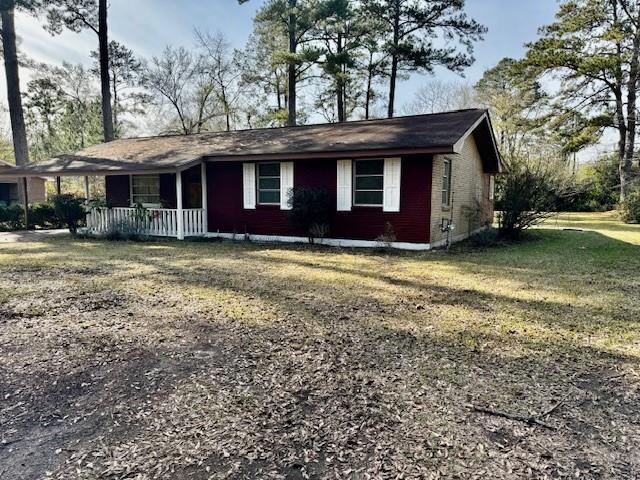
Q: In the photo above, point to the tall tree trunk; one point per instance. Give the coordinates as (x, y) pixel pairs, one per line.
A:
(394, 61)
(292, 73)
(392, 86)
(278, 92)
(367, 101)
(340, 83)
(632, 96)
(103, 39)
(14, 98)
(116, 127)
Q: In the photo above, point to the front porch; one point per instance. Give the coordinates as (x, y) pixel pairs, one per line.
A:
(163, 204)
(156, 222)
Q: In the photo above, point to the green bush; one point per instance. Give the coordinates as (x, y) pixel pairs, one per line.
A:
(598, 187)
(70, 210)
(528, 192)
(487, 237)
(630, 208)
(43, 215)
(12, 217)
(310, 211)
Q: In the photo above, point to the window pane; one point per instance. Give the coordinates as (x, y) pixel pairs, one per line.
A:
(269, 169)
(269, 183)
(369, 183)
(269, 196)
(369, 167)
(145, 189)
(445, 197)
(368, 198)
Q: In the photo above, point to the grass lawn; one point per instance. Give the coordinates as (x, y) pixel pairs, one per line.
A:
(229, 360)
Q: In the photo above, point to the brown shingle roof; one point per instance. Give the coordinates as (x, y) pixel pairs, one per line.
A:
(435, 133)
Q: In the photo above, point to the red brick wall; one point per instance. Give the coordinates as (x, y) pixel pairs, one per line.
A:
(411, 224)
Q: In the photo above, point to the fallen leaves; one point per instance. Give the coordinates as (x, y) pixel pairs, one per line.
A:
(222, 361)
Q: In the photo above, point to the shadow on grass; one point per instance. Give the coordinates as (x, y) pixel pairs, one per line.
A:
(330, 355)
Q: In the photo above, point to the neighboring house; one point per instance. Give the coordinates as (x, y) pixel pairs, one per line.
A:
(417, 174)
(9, 192)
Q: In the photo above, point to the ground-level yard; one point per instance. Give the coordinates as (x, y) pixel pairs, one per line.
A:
(228, 360)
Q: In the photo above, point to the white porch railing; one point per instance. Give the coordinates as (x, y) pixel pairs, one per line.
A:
(159, 222)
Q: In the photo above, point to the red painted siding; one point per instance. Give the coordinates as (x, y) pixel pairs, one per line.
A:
(411, 224)
(117, 190)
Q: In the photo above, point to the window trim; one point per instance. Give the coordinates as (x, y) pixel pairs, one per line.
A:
(145, 205)
(354, 183)
(449, 178)
(279, 189)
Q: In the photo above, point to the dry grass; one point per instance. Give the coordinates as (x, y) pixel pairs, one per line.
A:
(226, 360)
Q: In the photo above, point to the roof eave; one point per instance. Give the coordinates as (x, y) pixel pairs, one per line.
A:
(330, 155)
(49, 170)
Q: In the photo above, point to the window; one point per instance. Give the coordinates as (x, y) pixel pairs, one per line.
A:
(269, 183)
(369, 183)
(145, 189)
(446, 183)
(8, 193)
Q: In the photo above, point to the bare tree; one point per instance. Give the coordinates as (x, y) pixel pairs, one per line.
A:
(178, 78)
(440, 96)
(222, 70)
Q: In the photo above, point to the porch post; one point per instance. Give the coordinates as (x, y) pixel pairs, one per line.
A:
(180, 212)
(203, 181)
(87, 193)
(58, 186)
(25, 193)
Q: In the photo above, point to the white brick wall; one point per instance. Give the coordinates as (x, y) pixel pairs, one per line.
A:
(471, 207)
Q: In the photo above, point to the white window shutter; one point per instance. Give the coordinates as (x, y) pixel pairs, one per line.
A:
(249, 185)
(343, 190)
(492, 187)
(391, 195)
(286, 184)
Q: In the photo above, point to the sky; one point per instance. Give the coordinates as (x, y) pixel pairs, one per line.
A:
(147, 26)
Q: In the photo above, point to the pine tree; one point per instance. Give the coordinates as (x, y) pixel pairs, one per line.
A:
(414, 32)
(593, 48)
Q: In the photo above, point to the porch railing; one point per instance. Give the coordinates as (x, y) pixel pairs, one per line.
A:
(159, 222)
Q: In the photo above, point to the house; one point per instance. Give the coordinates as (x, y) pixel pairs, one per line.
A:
(419, 174)
(9, 191)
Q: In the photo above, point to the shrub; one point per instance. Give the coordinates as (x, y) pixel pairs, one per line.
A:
(310, 211)
(128, 229)
(527, 194)
(43, 215)
(487, 237)
(597, 187)
(12, 217)
(630, 207)
(387, 237)
(70, 210)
